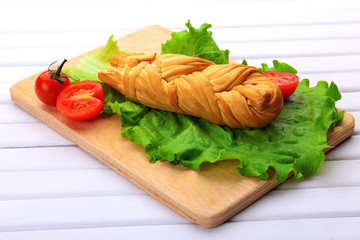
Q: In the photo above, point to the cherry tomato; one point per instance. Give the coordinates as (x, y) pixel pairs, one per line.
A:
(287, 82)
(50, 83)
(81, 100)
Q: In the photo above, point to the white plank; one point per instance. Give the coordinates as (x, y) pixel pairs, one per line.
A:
(15, 74)
(356, 115)
(39, 56)
(84, 212)
(346, 81)
(30, 135)
(22, 185)
(314, 64)
(349, 101)
(138, 210)
(304, 203)
(64, 183)
(116, 2)
(283, 32)
(343, 173)
(347, 4)
(5, 93)
(227, 34)
(267, 13)
(90, 39)
(11, 113)
(345, 150)
(298, 229)
(88, 2)
(47, 158)
(278, 49)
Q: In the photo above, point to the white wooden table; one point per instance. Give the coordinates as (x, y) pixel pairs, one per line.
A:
(51, 189)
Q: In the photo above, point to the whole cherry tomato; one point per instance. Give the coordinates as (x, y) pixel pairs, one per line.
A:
(81, 100)
(287, 82)
(50, 83)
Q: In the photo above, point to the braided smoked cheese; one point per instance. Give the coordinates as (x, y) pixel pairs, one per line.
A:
(235, 95)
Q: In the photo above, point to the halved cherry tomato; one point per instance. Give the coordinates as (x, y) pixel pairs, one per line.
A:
(287, 82)
(81, 100)
(50, 83)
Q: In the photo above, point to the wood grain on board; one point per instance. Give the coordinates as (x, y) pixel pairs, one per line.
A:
(207, 197)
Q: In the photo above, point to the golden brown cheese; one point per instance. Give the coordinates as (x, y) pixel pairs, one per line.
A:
(235, 95)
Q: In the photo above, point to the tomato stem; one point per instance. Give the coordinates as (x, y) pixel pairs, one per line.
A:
(58, 71)
(57, 75)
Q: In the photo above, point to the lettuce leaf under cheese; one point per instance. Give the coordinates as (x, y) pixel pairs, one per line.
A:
(196, 42)
(292, 143)
(94, 61)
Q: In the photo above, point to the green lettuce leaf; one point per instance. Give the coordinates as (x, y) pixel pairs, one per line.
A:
(278, 67)
(110, 96)
(196, 42)
(292, 143)
(93, 62)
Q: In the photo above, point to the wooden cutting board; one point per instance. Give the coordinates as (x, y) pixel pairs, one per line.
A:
(207, 197)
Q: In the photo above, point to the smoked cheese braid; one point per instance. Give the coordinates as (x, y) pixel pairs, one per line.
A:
(234, 95)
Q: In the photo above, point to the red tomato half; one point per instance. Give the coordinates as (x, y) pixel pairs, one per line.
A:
(287, 82)
(81, 100)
